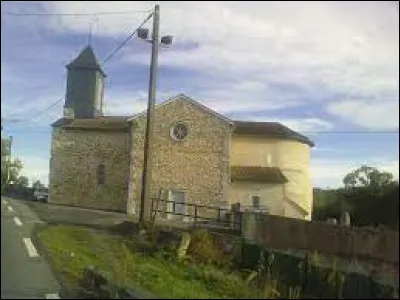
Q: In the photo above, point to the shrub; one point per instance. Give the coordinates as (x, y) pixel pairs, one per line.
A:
(202, 249)
(230, 285)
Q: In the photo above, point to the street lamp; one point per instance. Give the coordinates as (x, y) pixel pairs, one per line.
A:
(143, 33)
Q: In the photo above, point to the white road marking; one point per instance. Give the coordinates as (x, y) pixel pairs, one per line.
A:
(52, 296)
(5, 202)
(10, 208)
(17, 221)
(30, 247)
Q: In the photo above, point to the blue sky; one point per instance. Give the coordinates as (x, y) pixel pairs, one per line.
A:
(320, 68)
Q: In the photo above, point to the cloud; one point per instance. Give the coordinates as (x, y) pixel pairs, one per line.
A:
(256, 60)
(37, 110)
(298, 124)
(330, 172)
(340, 51)
(242, 50)
(121, 102)
(370, 114)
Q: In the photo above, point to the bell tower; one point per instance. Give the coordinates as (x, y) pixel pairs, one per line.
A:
(85, 87)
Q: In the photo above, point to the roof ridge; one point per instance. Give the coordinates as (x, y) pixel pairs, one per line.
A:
(182, 96)
(281, 130)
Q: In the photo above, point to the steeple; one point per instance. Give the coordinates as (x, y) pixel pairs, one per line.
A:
(87, 60)
(85, 86)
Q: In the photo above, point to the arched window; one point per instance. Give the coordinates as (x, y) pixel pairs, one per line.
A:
(101, 174)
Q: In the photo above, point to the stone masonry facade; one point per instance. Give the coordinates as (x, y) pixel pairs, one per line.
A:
(197, 165)
(75, 158)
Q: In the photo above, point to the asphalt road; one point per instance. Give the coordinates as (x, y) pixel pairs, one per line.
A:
(25, 274)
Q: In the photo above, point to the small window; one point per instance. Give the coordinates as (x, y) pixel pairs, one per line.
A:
(255, 202)
(179, 132)
(100, 174)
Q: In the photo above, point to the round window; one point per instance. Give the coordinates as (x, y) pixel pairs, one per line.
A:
(179, 132)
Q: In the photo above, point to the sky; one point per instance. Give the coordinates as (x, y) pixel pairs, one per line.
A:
(329, 70)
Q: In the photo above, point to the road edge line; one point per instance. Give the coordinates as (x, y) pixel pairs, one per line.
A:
(32, 252)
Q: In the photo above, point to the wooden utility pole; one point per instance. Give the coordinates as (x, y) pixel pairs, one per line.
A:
(144, 214)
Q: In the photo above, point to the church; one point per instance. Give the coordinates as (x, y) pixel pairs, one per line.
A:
(199, 156)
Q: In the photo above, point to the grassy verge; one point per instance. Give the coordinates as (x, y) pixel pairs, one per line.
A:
(74, 248)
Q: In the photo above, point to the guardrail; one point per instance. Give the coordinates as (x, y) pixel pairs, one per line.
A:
(228, 217)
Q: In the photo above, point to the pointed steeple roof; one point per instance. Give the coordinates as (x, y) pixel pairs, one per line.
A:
(86, 59)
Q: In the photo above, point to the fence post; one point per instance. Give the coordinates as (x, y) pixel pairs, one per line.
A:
(305, 274)
(195, 213)
(237, 216)
(372, 285)
(240, 214)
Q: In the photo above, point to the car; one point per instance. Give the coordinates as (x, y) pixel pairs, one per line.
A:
(41, 194)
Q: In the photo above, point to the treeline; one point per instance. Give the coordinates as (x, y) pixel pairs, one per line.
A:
(11, 179)
(371, 198)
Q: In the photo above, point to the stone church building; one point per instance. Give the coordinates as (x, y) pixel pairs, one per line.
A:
(199, 156)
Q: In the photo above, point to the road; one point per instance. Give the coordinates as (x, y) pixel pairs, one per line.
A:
(25, 274)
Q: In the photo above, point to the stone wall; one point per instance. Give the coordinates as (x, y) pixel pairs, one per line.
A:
(75, 157)
(350, 242)
(198, 165)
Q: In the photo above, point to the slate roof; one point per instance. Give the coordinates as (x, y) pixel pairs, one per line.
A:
(257, 174)
(86, 59)
(271, 129)
(104, 122)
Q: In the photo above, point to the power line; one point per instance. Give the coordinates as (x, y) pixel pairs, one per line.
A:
(21, 120)
(76, 14)
(350, 132)
(105, 60)
(49, 107)
(356, 131)
(40, 112)
(122, 44)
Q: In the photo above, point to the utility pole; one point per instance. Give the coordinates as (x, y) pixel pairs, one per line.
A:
(144, 213)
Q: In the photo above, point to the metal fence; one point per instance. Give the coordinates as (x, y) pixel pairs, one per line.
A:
(217, 215)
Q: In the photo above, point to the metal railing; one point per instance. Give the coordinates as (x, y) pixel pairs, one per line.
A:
(227, 217)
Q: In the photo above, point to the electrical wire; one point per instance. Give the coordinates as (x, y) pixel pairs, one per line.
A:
(39, 113)
(20, 120)
(122, 44)
(349, 132)
(355, 131)
(108, 58)
(76, 14)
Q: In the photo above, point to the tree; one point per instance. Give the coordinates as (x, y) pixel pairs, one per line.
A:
(37, 185)
(369, 195)
(10, 167)
(367, 177)
(5, 160)
(10, 170)
(22, 182)
(372, 196)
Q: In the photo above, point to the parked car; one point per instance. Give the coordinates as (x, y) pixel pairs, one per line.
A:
(41, 194)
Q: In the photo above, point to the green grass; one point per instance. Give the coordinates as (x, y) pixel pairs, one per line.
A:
(74, 248)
